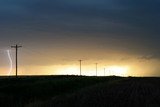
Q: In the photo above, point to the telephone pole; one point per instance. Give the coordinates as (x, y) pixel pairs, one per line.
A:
(80, 62)
(16, 47)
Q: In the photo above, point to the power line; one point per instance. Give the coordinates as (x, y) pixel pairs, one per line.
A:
(16, 47)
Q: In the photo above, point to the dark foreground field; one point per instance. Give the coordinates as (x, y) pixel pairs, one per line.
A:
(74, 91)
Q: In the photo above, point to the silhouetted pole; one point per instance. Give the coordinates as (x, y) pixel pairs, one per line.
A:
(96, 68)
(16, 47)
(80, 62)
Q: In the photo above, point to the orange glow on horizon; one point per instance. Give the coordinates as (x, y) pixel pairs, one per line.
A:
(87, 70)
(118, 70)
(90, 70)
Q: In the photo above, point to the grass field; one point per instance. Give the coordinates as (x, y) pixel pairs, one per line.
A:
(75, 91)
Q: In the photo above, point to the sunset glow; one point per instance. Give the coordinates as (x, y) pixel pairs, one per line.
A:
(87, 70)
(118, 70)
(55, 35)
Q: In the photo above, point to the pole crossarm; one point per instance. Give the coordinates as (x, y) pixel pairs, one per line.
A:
(16, 46)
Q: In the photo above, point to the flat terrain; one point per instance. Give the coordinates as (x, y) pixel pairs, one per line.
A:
(79, 91)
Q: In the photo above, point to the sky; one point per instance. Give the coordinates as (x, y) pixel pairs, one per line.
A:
(55, 34)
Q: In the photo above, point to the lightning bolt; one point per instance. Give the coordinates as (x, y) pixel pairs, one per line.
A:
(11, 62)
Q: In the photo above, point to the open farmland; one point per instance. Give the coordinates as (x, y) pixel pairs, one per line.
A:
(75, 91)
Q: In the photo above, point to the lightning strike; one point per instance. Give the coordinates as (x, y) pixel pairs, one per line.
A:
(11, 62)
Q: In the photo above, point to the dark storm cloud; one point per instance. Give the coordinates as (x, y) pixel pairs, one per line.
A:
(149, 57)
(126, 25)
(78, 15)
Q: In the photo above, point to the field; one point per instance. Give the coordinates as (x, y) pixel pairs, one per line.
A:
(79, 91)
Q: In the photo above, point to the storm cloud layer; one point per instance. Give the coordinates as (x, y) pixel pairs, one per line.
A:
(76, 27)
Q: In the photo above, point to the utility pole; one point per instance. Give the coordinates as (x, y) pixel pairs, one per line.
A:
(96, 68)
(80, 62)
(16, 47)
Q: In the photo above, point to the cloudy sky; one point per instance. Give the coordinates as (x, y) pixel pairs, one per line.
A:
(55, 34)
